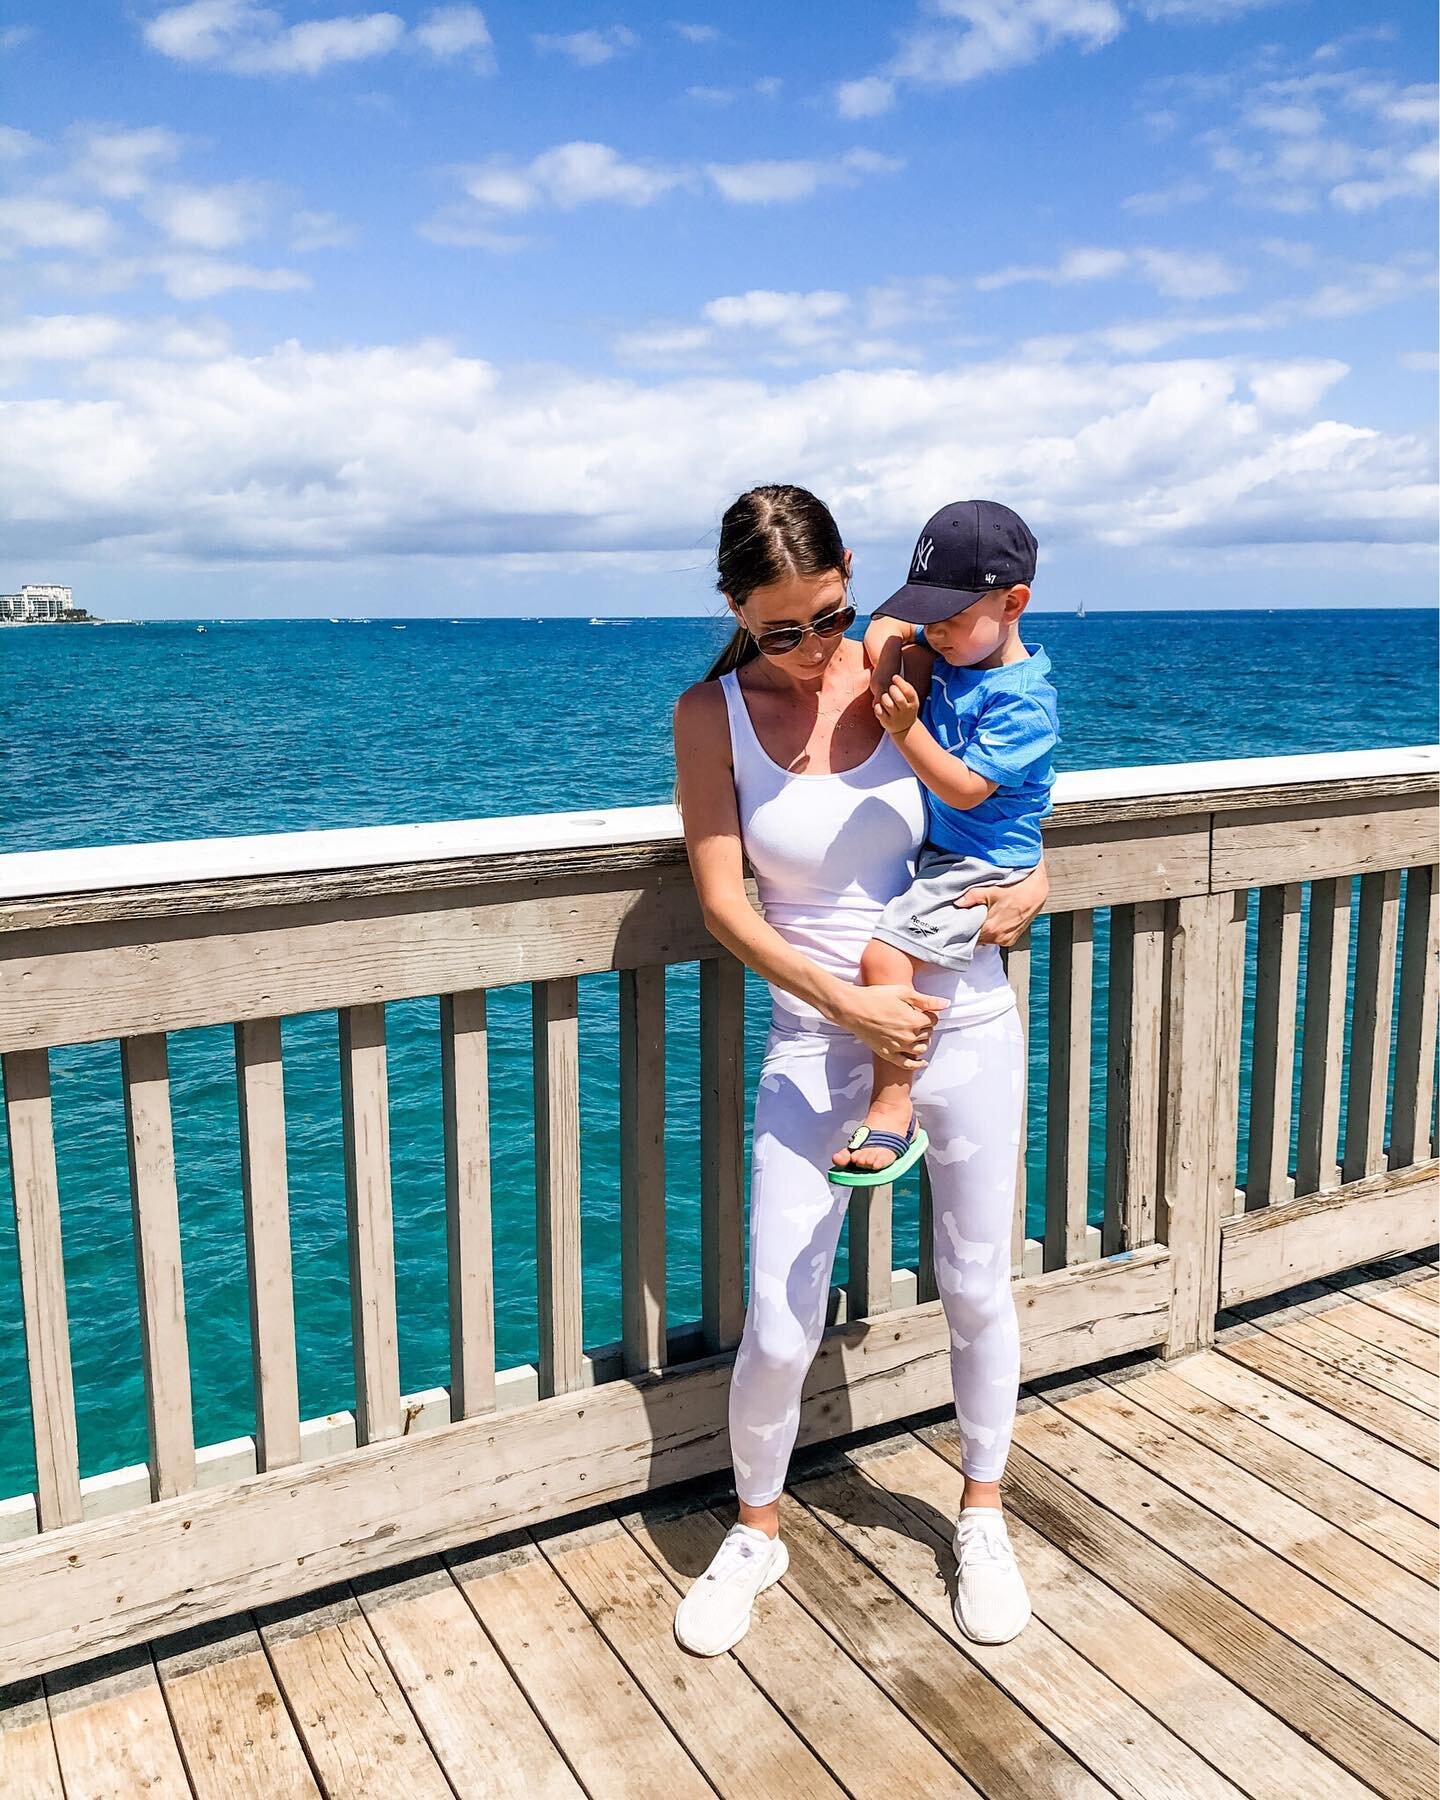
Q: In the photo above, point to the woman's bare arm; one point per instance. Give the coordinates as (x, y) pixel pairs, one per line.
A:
(889, 1020)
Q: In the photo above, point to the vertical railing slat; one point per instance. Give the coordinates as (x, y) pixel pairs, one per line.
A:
(155, 1210)
(722, 1144)
(260, 1088)
(556, 1029)
(869, 1288)
(1272, 1057)
(1017, 973)
(1322, 1044)
(1415, 1027)
(1067, 1116)
(1132, 1109)
(465, 1104)
(35, 1190)
(642, 1169)
(365, 1114)
(1369, 1075)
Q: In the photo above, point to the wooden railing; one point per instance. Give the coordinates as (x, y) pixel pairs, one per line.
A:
(1153, 873)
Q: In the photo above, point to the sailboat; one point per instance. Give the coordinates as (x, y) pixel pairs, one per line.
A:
(1080, 610)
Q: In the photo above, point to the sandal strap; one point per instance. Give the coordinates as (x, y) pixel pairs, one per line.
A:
(882, 1140)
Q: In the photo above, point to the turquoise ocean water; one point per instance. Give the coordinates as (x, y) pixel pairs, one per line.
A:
(127, 734)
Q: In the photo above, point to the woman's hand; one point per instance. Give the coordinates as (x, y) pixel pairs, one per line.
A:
(1010, 908)
(892, 1022)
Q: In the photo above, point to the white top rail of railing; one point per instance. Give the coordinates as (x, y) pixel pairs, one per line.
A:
(29, 874)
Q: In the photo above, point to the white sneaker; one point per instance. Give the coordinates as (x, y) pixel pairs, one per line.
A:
(991, 1605)
(715, 1614)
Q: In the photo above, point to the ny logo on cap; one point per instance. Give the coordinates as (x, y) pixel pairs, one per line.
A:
(923, 552)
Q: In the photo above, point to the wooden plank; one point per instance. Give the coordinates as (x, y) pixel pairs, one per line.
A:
(1338, 1634)
(1402, 1303)
(1229, 1030)
(1316, 1482)
(230, 1723)
(722, 1144)
(1313, 1427)
(113, 1737)
(617, 1743)
(1192, 1198)
(365, 1115)
(1067, 1110)
(1371, 1583)
(35, 1195)
(1017, 973)
(980, 1728)
(28, 1766)
(871, 1218)
(1369, 1077)
(1322, 1053)
(1415, 1029)
(1110, 864)
(155, 1215)
(866, 1742)
(110, 1581)
(642, 1169)
(465, 1104)
(1386, 1374)
(1392, 1421)
(1368, 1740)
(85, 983)
(1240, 1737)
(264, 1185)
(1272, 1060)
(1382, 1215)
(730, 1730)
(359, 1733)
(1090, 1716)
(556, 1035)
(1328, 837)
(1132, 1100)
(473, 1712)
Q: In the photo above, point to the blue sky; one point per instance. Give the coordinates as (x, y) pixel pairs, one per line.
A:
(443, 309)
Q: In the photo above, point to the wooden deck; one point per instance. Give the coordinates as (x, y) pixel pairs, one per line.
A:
(1232, 1560)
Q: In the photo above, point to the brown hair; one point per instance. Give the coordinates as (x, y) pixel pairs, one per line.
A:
(767, 534)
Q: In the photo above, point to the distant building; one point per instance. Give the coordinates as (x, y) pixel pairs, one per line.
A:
(38, 603)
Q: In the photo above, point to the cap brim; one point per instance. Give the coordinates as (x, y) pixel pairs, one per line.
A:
(920, 603)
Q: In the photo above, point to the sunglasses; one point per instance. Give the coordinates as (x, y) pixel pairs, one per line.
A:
(785, 638)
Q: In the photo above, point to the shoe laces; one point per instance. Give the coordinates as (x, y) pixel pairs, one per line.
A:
(977, 1540)
(736, 1554)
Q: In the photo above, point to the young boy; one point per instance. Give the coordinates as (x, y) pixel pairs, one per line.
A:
(981, 745)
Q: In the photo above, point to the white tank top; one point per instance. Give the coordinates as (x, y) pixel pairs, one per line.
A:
(828, 852)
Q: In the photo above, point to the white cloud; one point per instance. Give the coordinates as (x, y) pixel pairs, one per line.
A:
(587, 49)
(16, 144)
(413, 448)
(208, 218)
(570, 175)
(61, 337)
(203, 277)
(1185, 274)
(13, 36)
(1202, 12)
(247, 38)
(448, 31)
(696, 34)
(120, 163)
(35, 222)
(319, 231)
(964, 40)
(764, 183)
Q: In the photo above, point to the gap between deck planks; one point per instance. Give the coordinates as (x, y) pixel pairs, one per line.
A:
(1199, 1540)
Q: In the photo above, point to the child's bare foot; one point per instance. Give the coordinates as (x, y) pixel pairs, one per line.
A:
(884, 1115)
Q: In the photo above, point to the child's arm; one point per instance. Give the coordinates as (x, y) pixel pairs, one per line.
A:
(885, 643)
(947, 778)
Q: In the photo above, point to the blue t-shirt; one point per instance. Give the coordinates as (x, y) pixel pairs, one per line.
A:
(1002, 723)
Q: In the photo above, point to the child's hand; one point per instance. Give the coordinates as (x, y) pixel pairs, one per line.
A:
(898, 707)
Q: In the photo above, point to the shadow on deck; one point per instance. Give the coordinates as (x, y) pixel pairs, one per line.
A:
(1232, 1561)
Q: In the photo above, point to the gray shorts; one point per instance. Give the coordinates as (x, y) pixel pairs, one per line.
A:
(926, 923)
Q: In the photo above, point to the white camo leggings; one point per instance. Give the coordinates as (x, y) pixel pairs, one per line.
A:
(814, 1088)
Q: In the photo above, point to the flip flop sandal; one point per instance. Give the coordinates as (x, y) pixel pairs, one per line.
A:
(908, 1151)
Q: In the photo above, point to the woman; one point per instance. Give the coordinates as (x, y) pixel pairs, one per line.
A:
(782, 762)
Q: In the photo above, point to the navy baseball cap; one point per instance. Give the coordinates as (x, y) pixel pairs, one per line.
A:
(967, 550)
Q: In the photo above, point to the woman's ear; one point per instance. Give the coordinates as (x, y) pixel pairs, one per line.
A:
(846, 565)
